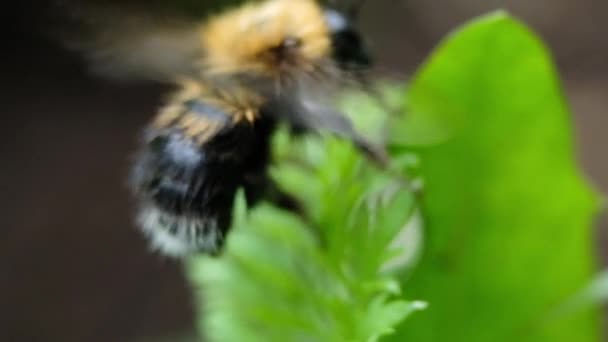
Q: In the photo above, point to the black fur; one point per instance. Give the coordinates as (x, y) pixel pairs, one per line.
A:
(348, 46)
(181, 178)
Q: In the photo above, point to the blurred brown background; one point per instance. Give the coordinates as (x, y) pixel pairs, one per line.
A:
(73, 267)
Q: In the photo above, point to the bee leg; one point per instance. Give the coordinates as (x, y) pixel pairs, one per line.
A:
(338, 124)
(372, 151)
(255, 188)
(260, 186)
(285, 200)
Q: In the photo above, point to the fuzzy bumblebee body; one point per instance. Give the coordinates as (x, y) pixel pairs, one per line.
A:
(268, 39)
(260, 64)
(199, 149)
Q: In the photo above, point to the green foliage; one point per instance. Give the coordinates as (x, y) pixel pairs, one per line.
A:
(281, 279)
(507, 212)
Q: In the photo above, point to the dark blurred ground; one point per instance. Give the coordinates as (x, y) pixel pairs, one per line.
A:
(73, 267)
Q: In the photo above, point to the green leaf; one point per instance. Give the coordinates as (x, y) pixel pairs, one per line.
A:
(281, 278)
(508, 215)
(592, 295)
(382, 317)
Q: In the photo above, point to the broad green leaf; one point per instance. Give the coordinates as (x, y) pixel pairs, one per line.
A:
(508, 215)
(593, 294)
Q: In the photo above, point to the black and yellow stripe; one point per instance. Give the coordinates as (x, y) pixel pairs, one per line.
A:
(205, 144)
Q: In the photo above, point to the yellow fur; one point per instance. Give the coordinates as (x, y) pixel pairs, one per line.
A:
(270, 39)
(239, 41)
(237, 103)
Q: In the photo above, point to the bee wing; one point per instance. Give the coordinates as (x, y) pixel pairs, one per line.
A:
(318, 117)
(129, 44)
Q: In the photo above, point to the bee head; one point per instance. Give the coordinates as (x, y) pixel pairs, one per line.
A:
(348, 47)
(273, 39)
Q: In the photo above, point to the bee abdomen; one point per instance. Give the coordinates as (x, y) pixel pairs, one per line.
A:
(179, 235)
(164, 172)
(186, 196)
(185, 184)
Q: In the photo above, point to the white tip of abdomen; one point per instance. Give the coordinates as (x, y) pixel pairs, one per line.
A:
(179, 236)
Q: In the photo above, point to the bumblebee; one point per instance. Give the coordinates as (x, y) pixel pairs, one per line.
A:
(256, 66)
